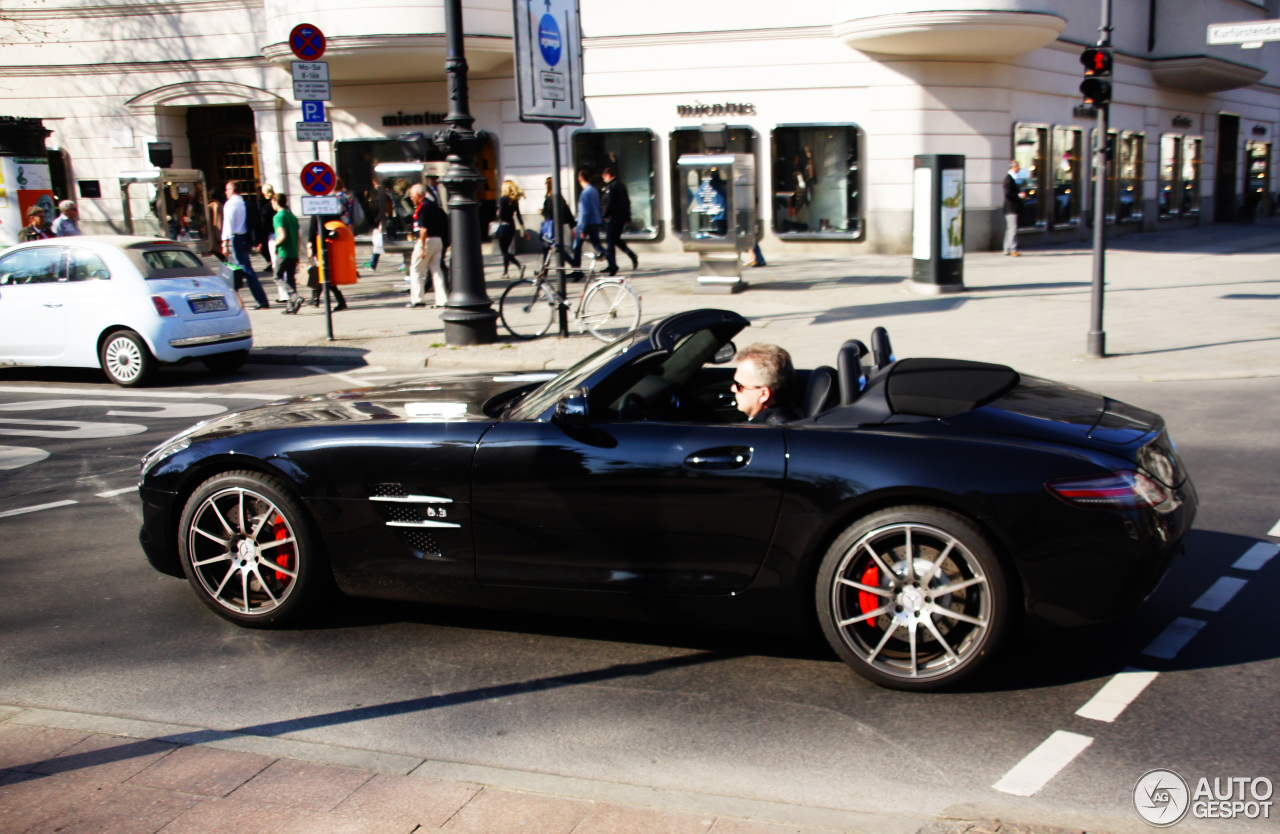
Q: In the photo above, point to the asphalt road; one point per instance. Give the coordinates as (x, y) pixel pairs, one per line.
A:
(87, 625)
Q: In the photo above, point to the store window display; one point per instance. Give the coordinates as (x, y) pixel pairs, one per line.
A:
(816, 183)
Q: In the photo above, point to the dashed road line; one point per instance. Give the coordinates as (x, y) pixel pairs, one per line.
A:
(36, 508)
(1177, 635)
(1220, 593)
(114, 492)
(148, 394)
(1042, 764)
(1117, 694)
(1257, 556)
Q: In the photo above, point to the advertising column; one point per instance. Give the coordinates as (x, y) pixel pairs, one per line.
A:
(24, 175)
(938, 224)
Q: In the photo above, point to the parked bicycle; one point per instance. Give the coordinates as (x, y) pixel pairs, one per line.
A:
(609, 306)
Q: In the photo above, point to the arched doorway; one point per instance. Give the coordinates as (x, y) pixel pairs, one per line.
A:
(224, 144)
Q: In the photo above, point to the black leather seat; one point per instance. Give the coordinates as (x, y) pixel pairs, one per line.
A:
(849, 362)
(822, 391)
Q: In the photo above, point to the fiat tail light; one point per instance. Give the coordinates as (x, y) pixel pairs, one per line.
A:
(162, 307)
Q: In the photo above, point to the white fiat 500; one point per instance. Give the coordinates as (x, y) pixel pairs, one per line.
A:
(124, 304)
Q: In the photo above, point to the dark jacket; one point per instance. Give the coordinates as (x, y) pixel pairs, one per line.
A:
(566, 213)
(1012, 195)
(615, 203)
(430, 216)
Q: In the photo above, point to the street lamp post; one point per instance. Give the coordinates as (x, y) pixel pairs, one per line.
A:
(469, 317)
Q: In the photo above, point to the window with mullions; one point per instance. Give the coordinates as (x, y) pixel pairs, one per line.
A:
(1179, 175)
(1031, 150)
(630, 154)
(688, 140)
(815, 181)
(1067, 175)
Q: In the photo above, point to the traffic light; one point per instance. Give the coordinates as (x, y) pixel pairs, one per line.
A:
(1096, 87)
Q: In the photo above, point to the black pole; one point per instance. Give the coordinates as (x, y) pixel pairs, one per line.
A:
(1097, 346)
(559, 221)
(328, 310)
(469, 317)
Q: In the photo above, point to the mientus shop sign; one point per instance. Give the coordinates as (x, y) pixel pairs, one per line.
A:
(700, 110)
(403, 119)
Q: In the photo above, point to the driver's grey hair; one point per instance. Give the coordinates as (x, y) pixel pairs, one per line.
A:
(772, 363)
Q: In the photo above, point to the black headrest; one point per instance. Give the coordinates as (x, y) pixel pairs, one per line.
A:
(880, 347)
(820, 394)
(849, 362)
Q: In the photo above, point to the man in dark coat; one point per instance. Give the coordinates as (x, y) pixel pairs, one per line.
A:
(616, 208)
(1013, 196)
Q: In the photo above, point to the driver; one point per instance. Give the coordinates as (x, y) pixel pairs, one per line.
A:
(762, 382)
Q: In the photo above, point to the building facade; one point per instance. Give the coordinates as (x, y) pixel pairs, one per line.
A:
(832, 97)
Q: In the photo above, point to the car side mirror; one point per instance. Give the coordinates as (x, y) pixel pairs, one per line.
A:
(572, 408)
(725, 354)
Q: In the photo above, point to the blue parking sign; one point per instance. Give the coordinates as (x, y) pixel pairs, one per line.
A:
(313, 111)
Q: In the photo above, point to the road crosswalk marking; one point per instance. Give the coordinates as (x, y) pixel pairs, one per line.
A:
(1174, 637)
(1118, 693)
(1255, 557)
(36, 508)
(1042, 764)
(1220, 593)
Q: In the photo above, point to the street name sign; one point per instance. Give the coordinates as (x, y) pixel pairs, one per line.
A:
(1255, 31)
(315, 131)
(548, 53)
(321, 205)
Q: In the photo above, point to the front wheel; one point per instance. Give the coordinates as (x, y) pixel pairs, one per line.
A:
(527, 309)
(126, 360)
(611, 309)
(247, 548)
(913, 598)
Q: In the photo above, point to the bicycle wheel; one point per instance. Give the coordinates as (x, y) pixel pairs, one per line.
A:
(527, 309)
(611, 309)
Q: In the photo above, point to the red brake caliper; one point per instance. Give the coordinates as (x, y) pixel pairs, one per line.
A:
(869, 602)
(284, 554)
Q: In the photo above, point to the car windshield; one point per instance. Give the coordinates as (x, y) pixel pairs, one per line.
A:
(540, 399)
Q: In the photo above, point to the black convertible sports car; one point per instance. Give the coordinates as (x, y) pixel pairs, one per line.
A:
(916, 510)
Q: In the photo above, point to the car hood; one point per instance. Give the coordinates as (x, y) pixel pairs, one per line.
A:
(461, 398)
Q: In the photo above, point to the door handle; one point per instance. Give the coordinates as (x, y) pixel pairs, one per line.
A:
(728, 457)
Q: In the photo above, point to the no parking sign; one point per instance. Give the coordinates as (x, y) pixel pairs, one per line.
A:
(318, 179)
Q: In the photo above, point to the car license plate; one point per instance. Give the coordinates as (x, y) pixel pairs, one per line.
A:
(217, 304)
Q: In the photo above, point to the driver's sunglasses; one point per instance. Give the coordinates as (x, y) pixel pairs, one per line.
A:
(737, 387)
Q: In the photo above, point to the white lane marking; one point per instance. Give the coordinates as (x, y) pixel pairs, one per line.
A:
(1042, 764)
(37, 508)
(1275, 531)
(1118, 693)
(1174, 637)
(16, 457)
(1220, 593)
(337, 375)
(165, 410)
(1257, 556)
(69, 429)
(150, 395)
(113, 492)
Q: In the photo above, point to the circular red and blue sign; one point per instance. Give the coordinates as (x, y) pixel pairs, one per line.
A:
(307, 42)
(318, 179)
(549, 40)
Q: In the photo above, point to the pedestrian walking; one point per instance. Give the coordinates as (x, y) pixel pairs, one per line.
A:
(615, 207)
(1014, 194)
(68, 222)
(36, 229)
(429, 229)
(590, 218)
(509, 217)
(284, 227)
(237, 240)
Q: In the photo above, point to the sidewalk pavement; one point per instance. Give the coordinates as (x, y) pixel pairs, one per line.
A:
(75, 773)
(1193, 304)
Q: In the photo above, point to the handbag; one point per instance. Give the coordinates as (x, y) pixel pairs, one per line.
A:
(495, 228)
(549, 229)
(379, 245)
(232, 275)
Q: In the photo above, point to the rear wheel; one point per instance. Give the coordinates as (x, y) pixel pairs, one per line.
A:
(248, 550)
(225, 363)
(913, 598)
(527, 309)
(610, 310)
(126, 359)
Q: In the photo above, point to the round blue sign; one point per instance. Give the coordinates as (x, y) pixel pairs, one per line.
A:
(549, 40)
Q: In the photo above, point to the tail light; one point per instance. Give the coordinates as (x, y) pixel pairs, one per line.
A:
(1123, 490)
(162, 307)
